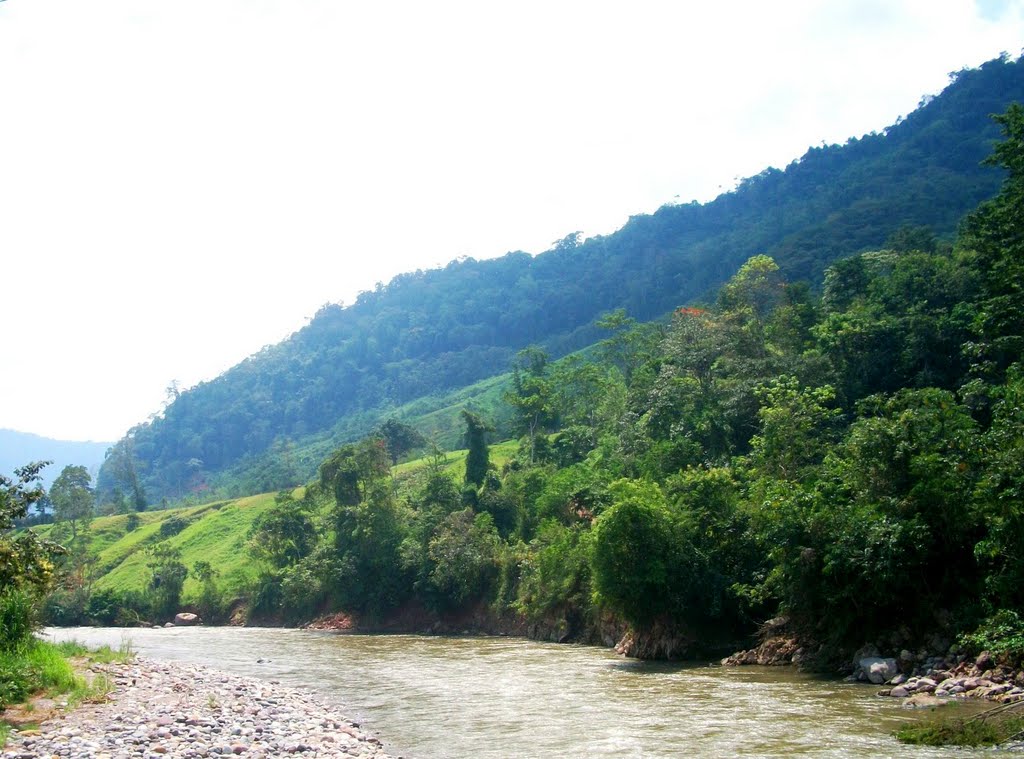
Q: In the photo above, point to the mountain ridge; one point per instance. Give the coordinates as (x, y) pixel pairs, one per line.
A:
(428, 332)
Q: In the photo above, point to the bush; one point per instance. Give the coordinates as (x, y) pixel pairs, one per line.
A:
(14, 679)
(15, 619)
(103, 607)
(172, 526)
(66, 607)
(1002, 634)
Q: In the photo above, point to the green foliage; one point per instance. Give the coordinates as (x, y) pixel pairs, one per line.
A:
(797, 425)
(943, 730)
(477, 461)
(1002, 634)
(556, 571)
(167, 578)
(15, 618)
(285, 534)
(639, 560)
(26, 561)
(171, 526)
(462, 558)
(400, 438)
(31, 667)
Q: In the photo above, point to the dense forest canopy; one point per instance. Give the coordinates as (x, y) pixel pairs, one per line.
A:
(430, 331)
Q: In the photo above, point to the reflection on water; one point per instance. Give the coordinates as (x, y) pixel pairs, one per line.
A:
(430, 697)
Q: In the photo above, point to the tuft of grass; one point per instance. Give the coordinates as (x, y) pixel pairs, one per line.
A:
(101, 655)
(945, 731)
(51, 671)
(5, 730)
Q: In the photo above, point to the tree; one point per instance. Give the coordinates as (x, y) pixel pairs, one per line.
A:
(26, 561)
(284, 535)
(167, 578)
(462, 558)
(120, 462)
(797, 424)
(996, 232)
(400, 438)
(758, 287)
(532, 396)
(477, 460)
(72, 498)
(643, 562)
(351, 471)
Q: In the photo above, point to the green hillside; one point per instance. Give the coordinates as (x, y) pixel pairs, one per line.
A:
(428, 333)
(215, 532)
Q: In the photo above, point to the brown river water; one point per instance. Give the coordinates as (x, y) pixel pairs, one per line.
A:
(475, 697)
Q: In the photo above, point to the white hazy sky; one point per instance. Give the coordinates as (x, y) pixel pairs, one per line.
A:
(183, 182)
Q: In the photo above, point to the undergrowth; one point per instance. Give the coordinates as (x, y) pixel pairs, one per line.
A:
(956, 731)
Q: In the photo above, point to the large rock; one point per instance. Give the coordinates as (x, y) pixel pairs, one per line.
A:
(879, 670)
(185, 618)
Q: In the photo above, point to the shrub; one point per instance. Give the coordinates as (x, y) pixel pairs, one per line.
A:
(15, 619)
(1002, 634)
(172, 526)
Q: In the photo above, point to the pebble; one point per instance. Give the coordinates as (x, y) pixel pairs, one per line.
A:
(183, 711)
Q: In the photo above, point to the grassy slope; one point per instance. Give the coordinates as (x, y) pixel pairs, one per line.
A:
(437, 417)
(217, 532)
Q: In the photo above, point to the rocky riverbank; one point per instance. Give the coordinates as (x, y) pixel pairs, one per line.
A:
(923, 679)
(159, 709)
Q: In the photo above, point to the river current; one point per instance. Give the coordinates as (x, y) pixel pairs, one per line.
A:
(473, 697)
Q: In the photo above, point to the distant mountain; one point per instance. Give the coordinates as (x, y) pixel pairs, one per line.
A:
(429, 332)
(20, 448)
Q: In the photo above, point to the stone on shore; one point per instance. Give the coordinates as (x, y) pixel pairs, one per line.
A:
(182, 711)
(185, 618)
(878, 670)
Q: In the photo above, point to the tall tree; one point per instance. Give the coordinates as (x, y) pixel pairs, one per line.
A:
(532, 396)
(996, 232)
(72, 498)
(478, 458)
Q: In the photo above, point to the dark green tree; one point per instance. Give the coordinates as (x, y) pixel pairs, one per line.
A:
(478, 458)
(285, 534)
(167, 578)
(400, 438)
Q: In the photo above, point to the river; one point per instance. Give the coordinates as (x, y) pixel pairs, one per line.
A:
(439, 698)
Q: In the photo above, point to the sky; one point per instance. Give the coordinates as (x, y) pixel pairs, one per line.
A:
(182, 183)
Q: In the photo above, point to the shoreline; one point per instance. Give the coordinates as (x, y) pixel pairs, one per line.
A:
(185, 711)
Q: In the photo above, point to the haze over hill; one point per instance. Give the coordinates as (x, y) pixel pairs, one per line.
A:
(19, 448)
(428, 332)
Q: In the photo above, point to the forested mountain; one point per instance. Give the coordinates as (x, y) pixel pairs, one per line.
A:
(429, 331)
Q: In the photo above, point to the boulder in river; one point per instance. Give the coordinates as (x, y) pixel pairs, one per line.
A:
(186, 618)
(879, 670)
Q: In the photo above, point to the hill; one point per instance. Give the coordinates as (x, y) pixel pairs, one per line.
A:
(19, 448)
(427, 333)
(215, 532)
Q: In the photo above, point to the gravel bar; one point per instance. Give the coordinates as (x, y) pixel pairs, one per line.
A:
(162, 709)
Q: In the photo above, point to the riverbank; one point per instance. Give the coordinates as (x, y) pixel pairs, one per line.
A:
(185, 711)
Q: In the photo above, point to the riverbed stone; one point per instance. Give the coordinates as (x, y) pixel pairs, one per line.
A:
(878, 670)
(184, 711)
